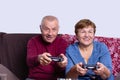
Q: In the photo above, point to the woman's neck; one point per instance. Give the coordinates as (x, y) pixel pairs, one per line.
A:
(86, 51)
(85, 48)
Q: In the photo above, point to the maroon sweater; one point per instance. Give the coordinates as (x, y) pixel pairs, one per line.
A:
(37, 46)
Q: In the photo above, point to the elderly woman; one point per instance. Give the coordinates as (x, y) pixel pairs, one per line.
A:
(88, 59)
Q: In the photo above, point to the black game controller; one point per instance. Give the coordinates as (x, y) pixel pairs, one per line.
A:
(90, 66)
(56, 59)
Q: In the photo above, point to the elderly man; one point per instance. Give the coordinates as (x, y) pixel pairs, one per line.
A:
(41, 48)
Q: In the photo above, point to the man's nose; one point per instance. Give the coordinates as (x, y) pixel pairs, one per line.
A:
(50, 32)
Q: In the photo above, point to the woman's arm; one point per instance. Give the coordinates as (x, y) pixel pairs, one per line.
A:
(72, 73)
(76, 71)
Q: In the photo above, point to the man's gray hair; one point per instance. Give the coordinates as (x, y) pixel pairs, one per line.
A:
(49, 18)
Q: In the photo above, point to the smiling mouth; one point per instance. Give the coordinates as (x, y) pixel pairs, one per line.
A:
(86, 39)
(49, 38)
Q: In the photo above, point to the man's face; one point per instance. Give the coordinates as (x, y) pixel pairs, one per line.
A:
(49, 30)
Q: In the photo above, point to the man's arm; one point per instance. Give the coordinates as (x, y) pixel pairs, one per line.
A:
(32, 53)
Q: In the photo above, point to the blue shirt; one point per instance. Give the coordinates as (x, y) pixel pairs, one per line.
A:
(100, 54)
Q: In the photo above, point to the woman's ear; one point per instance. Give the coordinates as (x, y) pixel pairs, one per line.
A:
(76, 36)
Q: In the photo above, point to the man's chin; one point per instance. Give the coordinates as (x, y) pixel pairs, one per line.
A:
(49, 41)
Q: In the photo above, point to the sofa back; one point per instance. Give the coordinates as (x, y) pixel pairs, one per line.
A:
(14, 52)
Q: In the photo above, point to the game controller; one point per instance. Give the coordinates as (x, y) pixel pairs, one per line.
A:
(90, 66)
(56, 59)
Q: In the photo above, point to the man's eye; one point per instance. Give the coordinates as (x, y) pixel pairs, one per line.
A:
(45, 29)
(54, 29)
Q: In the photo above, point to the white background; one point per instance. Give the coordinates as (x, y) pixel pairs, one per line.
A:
(24, 16)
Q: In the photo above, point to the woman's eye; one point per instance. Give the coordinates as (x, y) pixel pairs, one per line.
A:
(82, 31)
(91, 32)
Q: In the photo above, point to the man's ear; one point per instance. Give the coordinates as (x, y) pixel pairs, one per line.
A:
(40, 28)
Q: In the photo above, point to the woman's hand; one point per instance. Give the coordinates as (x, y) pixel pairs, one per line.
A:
(76, 71)
(103, 71)
(81, 71)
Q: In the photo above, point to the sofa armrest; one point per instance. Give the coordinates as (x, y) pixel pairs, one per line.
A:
(3, 76)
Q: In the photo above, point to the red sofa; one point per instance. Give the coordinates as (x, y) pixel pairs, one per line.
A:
(13, 51)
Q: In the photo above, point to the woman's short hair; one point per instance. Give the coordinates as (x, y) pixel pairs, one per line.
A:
(84, 23)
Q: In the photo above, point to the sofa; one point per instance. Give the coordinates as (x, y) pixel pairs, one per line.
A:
(13, 49)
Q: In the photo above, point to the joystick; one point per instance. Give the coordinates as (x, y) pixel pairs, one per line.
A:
(56, 59)
(90, 66)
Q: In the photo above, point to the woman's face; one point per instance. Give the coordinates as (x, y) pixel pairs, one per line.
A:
(85, 35)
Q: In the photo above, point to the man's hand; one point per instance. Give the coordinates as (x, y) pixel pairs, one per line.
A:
(64, 62)
(44, 59)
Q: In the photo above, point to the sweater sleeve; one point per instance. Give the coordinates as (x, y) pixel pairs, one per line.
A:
(32, 54)
(62, 46)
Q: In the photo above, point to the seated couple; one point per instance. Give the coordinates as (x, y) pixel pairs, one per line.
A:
(41, 48)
